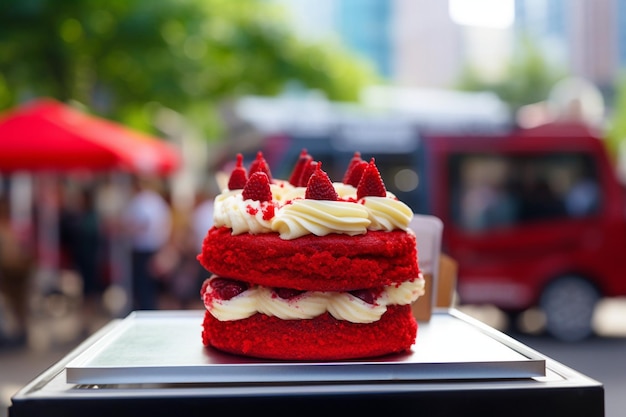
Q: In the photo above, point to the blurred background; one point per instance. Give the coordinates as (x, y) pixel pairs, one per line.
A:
(505, 118)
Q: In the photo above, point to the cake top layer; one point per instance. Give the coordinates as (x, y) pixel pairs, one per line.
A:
(309, 203)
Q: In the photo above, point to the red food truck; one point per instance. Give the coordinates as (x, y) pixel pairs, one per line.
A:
(534, 217)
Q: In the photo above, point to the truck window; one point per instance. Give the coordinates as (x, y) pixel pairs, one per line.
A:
(494, 190)
(401, 176)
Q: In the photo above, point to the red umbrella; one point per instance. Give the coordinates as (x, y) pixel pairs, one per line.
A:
(47, 135)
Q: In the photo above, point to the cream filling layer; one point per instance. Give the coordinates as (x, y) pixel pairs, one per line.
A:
(310, 304)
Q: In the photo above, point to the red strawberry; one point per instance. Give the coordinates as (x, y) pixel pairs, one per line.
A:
(238, 177)
(257, 188)
(287, 293)
(371, 183)
(320, 187)
(228, 288)
(354, 175)
(307, 171)
(356, 158)
(260, 164)
(303, 160)
(368, 295)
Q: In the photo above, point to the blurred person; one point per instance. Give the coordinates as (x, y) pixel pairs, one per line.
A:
(147, 222)
(83, 238)
(202, 218)
(583, 195)
(177, 262)
(582, 198)
(202, 222)
(16, 263)
(184, 281)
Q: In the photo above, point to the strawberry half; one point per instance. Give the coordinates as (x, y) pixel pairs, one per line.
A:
(356, 159)
(226, 288)
(287, 293)
(307, 171)
(260, 165)
(368, 295)
(238, 176)
(257, 188)
(371, 183)
(320, 187)
(303, 160)
(353, 176)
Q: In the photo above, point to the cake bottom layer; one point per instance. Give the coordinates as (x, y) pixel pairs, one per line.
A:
(321, 338)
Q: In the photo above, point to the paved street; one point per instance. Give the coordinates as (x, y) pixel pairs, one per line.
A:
(603, 359)
(18, 367)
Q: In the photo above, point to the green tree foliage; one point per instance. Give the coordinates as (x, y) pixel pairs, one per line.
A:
(529, 77)
(124, 58)
(616, 131)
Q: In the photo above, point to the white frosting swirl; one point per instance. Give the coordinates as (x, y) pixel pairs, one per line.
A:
(242, 216)
(218, 205)
(320, 217)
(405, 293)
(241, 306)
(295, 216)
(344, 190)
(387, 213)
(282, 191)
(304, 306)
(310, 304)
(345, 306)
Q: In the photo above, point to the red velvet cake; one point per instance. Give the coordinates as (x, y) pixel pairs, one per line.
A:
(307, 269)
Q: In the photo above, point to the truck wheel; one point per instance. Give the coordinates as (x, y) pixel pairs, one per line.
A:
(569, 303)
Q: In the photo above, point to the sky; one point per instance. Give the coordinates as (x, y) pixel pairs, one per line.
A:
(496, 14)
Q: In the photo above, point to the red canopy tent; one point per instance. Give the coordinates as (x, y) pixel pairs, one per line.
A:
(47, 135)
